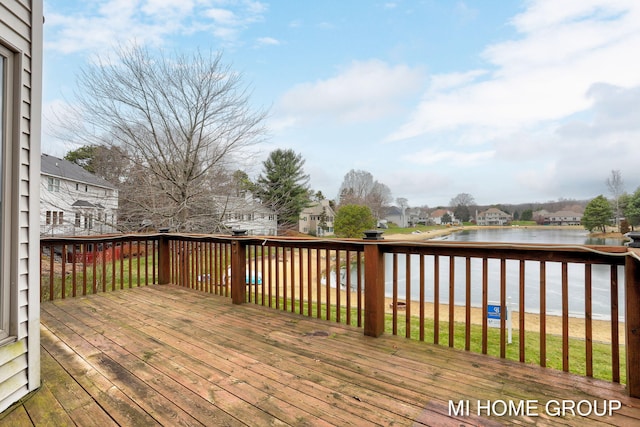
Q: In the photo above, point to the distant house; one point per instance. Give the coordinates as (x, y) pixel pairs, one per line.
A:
(538, 216)
(317, 219)
(245, 213)
(20, 128)
(74, 201)
(439, 217)
(416, 216)
(493, 216)
(394, 214)
(563, 218)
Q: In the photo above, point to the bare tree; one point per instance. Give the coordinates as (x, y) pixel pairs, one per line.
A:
(461, 205)
(180, 119)
(463, 199)
(403, 205)
(616, 188)
(359, 188)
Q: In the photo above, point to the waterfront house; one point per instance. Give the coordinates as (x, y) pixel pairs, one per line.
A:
(416, 216)
(317, 219)
(493, 216)
(439, 217)
(20, 129)
(74, 201)
(563, 218)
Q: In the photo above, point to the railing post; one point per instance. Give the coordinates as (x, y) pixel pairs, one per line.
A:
(373, 290)
(164, 260)
(238, 271)
(632, 323)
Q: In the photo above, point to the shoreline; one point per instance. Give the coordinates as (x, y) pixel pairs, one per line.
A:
(601, 329)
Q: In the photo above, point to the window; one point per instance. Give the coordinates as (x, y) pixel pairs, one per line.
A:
(48, 220)
(6, 135)
(77, 219)
(88, 222)
(53, 185)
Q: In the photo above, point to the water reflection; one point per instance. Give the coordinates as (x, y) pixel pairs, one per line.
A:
(577, 236)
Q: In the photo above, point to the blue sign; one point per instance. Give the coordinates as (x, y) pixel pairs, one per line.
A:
(493, 312)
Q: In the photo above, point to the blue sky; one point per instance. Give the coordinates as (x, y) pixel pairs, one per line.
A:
(509, 101)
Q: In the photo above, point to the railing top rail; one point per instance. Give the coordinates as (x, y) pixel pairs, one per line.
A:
(598, 254)
(102, 238)
(286, 241)
(516, 251)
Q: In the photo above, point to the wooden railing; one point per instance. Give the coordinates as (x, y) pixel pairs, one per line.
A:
(71, 267)
(431, 291)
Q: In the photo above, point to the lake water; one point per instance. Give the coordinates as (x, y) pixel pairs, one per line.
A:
(531, 235)
(600, 274)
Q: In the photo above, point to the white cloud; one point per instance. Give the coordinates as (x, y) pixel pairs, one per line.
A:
(430, 156)
(167, 7)
(365, 90)
(543, 76)
(414, 184)
(223, 17)
(267, 41)
(104, 23)
(573, 158)
(443, 82)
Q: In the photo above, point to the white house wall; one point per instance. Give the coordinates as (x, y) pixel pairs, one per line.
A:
(63, 199)
(21, 32)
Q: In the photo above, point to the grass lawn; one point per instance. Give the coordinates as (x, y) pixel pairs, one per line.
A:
(602, 354)
(127, 273)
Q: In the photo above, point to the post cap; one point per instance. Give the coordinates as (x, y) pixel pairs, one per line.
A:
(373, 235)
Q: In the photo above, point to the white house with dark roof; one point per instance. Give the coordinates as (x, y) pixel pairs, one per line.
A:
(245, 213)
(73, 201)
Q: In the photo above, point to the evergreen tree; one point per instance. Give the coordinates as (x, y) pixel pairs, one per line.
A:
(527, 215)
(597, 214)
(283, 186)
(83, 156)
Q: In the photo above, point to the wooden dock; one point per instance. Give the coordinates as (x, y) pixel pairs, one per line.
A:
(163, 355)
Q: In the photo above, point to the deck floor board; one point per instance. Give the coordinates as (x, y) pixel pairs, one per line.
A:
(164, 355)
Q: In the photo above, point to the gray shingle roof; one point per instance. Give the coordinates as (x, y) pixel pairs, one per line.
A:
(83, 204)
(61, 168)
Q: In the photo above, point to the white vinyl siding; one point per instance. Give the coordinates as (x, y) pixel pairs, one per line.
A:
(21, 43)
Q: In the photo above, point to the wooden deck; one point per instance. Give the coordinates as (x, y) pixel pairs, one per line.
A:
(162, 355)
